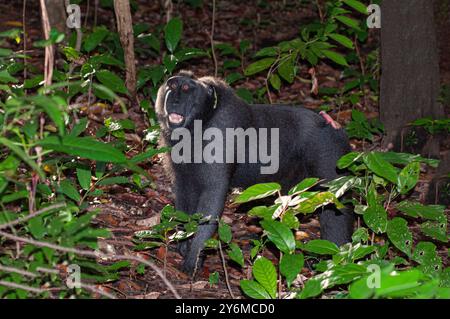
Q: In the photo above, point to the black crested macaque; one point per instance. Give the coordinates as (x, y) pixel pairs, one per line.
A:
(307, 145)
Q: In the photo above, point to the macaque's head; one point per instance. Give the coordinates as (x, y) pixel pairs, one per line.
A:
(183, 99)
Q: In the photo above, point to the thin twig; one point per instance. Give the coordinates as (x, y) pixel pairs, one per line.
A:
(24, 30)
(18, 271)
(211, 38)
(32, 215)
(94, 254)
(225, 271)
(19, 286)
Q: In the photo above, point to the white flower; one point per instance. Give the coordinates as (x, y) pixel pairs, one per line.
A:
(151, 136)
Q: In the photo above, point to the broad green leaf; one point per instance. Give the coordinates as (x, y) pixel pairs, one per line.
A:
(317, 200)
(264, 52)
(348, 159)
(280, 235)
(432, 212)
(352, 23)
(85, 147)
(258, 191)
(235, 254)
(321, 247)
(408, 177)
(290, 266)
(68, 189)
(37, 227)
(425, 254)
(84, 176)
(172, 33)
(275, 81)
(381, 167)
(24, 156)
(303, 185)
(254, 290)
(259, 66)
(405, 159)
(93, 39)
(342, 39)
(52, 109)
(113, 181)
(312, 288)
(79, 127)
(341, 185)
(225, 232)
(399, 234)
(357, 5)
(112, 81)
(436, 230)
(335, 57)
(5, 77)
(266, 274)
(375, 216)
(286, 69)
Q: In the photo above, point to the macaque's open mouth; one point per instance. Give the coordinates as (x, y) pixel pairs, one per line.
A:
(175, 118)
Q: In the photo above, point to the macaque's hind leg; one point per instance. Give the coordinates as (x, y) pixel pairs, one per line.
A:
(336, 225)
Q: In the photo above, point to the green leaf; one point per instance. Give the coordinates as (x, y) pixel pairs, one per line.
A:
(280, 235)
(287, 69)
(290, 266)
(114, 181)
(52, 109)
(357, 5)
(84, 176)
(335, 57)
(399, 234)
(258, 191)
(24, 156)
(303, 185)
(342, 39)
(68, 189)
(95, 38)
(341, 185)
(254, 290)
(259, 66)
(408, 177)
(85, 147)
(79, 127)
(275, 81)
(266, 274)
(235, 254)
(425, 254)
(312, 288)
(352, 23)
(405, 158)
(36, 227)
(112, 81)
(321, 247)
(317, 200)
(376, 218)
(225, 232)
(380, 167)
(348, 159)
(432, 212)
(436, 230)
(5, 77)
(173, 31)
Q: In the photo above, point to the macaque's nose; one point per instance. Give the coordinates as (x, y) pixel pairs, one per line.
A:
(180, 83)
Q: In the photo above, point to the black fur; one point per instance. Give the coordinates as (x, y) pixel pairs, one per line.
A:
(309, 147)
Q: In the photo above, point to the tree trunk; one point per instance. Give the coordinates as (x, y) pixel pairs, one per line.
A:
(49, 50)
(57, 14)
(410, 70)
(125, 29)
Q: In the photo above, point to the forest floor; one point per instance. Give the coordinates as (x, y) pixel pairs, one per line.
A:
(124, 211)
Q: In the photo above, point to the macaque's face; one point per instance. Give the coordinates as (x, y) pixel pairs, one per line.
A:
(181, 100)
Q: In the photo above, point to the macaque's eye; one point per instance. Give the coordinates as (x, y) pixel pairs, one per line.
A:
(185, 87)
